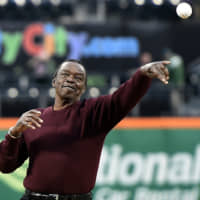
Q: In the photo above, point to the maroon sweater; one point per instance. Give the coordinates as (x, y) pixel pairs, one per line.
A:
(64, 153)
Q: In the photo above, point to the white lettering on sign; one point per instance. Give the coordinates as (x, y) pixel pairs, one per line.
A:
(110, 194)
(133, 168)
(173, 194)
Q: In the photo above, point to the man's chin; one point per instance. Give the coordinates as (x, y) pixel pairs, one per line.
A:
(69, 97)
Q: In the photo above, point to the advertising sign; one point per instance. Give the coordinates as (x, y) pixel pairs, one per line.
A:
(59, 41)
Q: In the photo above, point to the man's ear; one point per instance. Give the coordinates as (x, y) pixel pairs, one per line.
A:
(53, 83)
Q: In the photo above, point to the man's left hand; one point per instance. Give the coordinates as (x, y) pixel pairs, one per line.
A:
(156, 70)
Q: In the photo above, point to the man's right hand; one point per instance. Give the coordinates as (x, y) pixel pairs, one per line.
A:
(29, 119)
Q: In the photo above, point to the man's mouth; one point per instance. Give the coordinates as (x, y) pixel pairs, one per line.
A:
(69, 87)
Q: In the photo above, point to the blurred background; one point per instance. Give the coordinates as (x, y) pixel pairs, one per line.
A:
(112, 38)
(154, 154)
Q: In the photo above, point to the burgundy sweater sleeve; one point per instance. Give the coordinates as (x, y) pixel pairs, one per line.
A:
(13, 153)
(105, 112)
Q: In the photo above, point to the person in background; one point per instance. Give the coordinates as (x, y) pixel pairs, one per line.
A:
(176, 68)
(64, 141)
(42, 66)
(145, 57)
(177, 80)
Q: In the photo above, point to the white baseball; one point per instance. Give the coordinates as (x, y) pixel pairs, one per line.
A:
(184, 10)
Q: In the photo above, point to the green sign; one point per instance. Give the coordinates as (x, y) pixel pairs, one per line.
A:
(137, 165)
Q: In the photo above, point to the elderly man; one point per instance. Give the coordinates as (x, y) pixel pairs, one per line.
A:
(63, 142)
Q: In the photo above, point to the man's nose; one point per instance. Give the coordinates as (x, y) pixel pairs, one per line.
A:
(70, 79)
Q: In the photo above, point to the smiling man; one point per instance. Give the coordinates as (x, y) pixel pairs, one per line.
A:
(63, 142)
(70, 83)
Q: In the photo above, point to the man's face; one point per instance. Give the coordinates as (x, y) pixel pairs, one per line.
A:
(70, 81)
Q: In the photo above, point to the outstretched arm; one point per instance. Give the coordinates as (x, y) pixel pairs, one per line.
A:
(105, 112)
